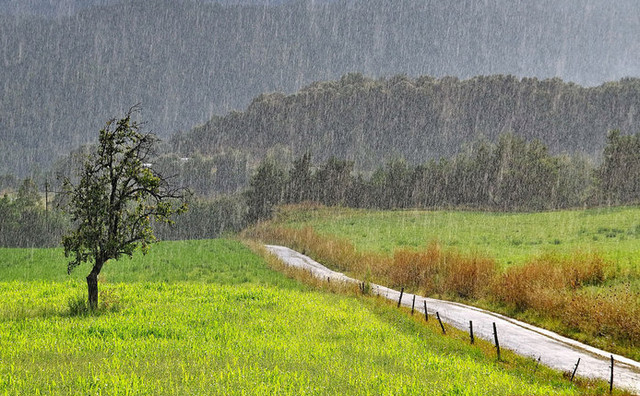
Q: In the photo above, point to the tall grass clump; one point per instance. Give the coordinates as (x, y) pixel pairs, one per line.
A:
(78, 305)
(543, 283)
(469, 276)
(435, 271)
(614, 314)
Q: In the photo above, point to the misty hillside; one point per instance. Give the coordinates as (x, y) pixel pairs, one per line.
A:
(370, 121)
(62, 78)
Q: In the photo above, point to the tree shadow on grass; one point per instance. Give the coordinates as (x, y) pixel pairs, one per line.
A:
(76, 307)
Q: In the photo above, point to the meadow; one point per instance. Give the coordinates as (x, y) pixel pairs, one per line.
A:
(574, 272)
(509, 238)
(211, 317)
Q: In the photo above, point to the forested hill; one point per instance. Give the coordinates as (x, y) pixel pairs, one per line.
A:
(62, 77)
(369, 121)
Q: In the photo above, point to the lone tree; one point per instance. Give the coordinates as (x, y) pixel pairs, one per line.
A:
(115, 199)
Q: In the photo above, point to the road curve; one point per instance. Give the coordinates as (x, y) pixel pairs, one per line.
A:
(552, 349)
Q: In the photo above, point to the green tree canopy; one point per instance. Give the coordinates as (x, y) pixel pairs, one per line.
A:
(117, 196)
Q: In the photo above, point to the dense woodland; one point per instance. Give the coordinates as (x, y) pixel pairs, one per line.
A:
(62, 77)
(369, 121)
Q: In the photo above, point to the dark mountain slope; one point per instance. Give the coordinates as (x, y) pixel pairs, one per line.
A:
(60, 78)
(369, 121)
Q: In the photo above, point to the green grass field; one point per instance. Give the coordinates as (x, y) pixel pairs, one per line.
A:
(510, 238)
(210, 317)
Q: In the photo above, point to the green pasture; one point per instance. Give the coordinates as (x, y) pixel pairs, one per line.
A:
(209, 317)
(510, 238)
(211, 261)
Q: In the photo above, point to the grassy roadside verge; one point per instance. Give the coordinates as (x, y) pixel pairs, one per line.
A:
(579, 293)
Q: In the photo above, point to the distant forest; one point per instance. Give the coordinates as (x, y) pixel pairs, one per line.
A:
(369, 121)
(62, 77)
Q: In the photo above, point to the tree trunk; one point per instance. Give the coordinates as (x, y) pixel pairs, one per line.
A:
(92, 284)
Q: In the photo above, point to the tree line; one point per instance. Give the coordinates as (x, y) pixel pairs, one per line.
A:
(27, 221)
(508, 175)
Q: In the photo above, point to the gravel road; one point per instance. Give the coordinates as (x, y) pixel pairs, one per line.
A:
(552, 349)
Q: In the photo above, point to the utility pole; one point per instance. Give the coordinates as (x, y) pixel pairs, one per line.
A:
(46, 204)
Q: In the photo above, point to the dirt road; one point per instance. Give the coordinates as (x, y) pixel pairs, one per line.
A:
(552, 349)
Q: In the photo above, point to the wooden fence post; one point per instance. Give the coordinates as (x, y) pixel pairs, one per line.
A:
(495, 336)
(413, 304)
(611, 380)
(471, 331)
(575, 369)
(426, 315)
(400, 299)
(441, 325)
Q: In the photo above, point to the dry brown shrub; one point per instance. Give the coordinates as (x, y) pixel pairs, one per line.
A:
(405, 269)
(520, 286)
(432, 260)
(445, 272)
(583, 269)
(510, 289)
(468, 276)
(547, 301)
(615, 313)
(372, 267)
(417, 269)
(431, 263)
(541, 283)
(340, 254)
